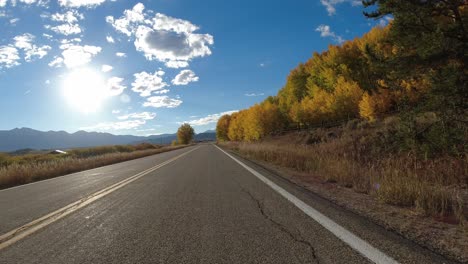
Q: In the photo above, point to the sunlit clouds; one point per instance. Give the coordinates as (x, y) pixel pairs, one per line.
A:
(142, 115)
(161, 37)
(162, 101)
(66, 23)
(209, 119)
(172, 62)
(106, 68)
(163, 40)
(185, 77)
(74, 55)
(326, 32)
(80, 3)
(330, 5)
(124, 122)
(9, 57)
(145, 83)
(115, 86)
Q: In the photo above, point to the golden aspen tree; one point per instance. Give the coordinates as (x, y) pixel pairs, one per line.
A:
(222, 128)
(347, 95)
(373, 106)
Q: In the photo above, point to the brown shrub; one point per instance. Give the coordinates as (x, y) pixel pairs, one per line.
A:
(22, 173)
(353, 160)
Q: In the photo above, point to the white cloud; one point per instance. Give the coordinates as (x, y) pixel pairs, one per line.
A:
(177, 64)
(74, 55)
(31, 51)
(142, 115)
(9, 57)
(254, 94)
(57, 62)
(28, 1)
(110, 39)
(24, 41)
(209, 119)
(167, 23)
(325, 32)
(71, 16)
(120, 54)
(163, 38)
(128, 23)
(115, 86)
(69, 21)
(165, 91)
(66, 29)
(162, 101)
(145, 83)
(80, 3)
(106, 68)
(121, 125)
(47, 36)
(13, 21)
(69, 41)
(330, 5)
(115, 111)
(185, 77)
(174, 48)
(147, 130)
(37, 52)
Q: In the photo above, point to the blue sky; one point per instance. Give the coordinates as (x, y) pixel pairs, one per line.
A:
(144, 67)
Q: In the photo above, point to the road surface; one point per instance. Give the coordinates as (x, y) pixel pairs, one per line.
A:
(192, 205)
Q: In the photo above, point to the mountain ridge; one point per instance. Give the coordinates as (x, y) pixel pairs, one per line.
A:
(28, 138)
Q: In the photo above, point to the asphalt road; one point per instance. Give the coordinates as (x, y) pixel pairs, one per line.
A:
(202, 207)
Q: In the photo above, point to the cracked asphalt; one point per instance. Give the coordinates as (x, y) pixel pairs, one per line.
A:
(201, 208)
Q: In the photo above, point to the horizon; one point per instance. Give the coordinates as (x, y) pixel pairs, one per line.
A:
(104, 132)
(145, 67)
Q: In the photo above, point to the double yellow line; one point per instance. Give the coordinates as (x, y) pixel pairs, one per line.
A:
(19, 233)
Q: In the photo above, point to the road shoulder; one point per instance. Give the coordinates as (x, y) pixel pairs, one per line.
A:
(400, 224)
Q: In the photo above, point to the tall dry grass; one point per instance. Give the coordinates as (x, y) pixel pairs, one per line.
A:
(25, 172)
(351, 158)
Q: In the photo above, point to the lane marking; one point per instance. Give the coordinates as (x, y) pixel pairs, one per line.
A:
(81, 172)
(19, 233)
(358, 244)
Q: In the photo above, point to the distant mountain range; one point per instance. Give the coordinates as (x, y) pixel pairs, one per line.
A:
(27, 138)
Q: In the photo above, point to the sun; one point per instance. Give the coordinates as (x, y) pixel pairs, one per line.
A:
(85, 90)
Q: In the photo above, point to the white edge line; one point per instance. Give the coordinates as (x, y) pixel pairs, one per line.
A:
(25, 230)
(358, 244)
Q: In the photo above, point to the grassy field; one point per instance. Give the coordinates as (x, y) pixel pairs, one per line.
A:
(361, 157)
(22, 169)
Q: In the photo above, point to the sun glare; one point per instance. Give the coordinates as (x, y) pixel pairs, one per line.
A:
(85, 90)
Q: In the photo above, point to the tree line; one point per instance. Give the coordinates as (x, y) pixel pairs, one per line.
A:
(415, 64)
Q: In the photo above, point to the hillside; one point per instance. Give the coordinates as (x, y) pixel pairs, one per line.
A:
(356, 165)
(384, 116)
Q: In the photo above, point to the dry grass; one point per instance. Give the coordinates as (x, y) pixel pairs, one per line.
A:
(352, 158)
(29, 170)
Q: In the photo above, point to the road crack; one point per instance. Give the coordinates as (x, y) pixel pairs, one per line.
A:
(281, 227)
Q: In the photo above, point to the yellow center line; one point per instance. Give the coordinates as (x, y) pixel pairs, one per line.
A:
(21, 232)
